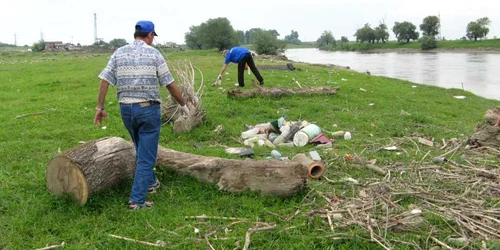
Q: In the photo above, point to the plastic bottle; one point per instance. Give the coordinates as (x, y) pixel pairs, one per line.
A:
(249, 133)
(338, 133)
(272, 136)
(279, 139)
(347, 136)
(276, 154)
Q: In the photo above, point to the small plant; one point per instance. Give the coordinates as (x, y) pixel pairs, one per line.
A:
(39, 46)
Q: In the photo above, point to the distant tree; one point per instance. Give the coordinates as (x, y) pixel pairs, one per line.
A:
(266, 43)
(274, 33)
(326, 39)
(117, 42)
(192, 38)
(39, 46)
(478, 29)
(218, 33)
(430, 26)
(100, 43)
(241, 37)
(249, 34)
(344, 39)
(405, 31)
(381, 33)
(293, 38)
(366, 34)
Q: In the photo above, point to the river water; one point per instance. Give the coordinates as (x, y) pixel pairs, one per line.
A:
(477, 72)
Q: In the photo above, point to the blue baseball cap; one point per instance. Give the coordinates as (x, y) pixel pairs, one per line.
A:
(145, 26)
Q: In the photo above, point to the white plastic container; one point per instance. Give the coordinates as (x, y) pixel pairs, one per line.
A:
(347, 136)
(300, 139)
(249, 133)
(312, 130)
(306, 134)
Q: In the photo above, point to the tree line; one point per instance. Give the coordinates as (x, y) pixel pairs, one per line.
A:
(406, 31)
(219, 33)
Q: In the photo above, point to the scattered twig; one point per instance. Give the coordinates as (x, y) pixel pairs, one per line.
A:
(254, 230)
(204, 217)
(138, 241)
(32, 114)
(208, 243)
(52, 247)
(442, 244)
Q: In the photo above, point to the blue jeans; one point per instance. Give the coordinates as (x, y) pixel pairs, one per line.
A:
(143, 122)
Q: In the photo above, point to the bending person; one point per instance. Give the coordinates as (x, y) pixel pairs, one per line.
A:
(242, 57)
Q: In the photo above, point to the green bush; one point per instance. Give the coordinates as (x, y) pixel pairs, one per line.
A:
(265, 43)
(39, 46)
(428, 42)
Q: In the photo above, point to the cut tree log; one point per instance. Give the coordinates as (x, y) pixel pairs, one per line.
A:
(267, 176)
(486, 134)
(101, 164)
(91, 167)
(279, 92)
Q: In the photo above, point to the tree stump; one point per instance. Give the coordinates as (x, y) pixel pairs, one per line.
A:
(486, 134)
(91, 167)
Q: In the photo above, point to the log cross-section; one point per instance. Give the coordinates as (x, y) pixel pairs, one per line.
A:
(91, 167)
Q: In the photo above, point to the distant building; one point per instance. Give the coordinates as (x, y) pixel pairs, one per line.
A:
(55, 45)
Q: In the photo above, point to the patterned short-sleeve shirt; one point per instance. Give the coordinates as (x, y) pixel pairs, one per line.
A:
(137, 70)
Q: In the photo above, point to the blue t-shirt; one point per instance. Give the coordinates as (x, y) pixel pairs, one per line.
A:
(236, 54)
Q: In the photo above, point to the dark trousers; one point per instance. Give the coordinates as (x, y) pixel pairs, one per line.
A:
(247, 59)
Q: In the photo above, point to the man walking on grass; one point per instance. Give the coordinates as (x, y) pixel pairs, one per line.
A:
(138, 70)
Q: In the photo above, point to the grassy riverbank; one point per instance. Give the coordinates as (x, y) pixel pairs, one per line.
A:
(482, 45)
(48, 105)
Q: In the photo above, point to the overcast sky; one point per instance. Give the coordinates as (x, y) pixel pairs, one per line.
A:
(73, 21)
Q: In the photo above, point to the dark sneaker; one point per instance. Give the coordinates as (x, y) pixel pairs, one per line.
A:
(262, 83)
(152, 188)
(134, 206)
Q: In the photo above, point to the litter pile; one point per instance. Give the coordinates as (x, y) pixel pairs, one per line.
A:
(284, 133)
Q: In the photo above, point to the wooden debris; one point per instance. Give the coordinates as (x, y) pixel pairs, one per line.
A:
(104, 163)
(280, 92)
(160, 244)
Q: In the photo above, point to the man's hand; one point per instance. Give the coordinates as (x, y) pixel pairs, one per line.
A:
(184, 110)
(218, 81)
(99, 115)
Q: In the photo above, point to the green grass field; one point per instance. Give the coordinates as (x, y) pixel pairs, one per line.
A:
(48, 103)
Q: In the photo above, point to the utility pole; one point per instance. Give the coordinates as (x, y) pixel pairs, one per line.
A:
(440, 37)
(15, 39)
(95, 27)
